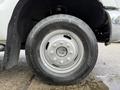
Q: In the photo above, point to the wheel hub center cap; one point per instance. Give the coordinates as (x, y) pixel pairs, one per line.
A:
(61, 51)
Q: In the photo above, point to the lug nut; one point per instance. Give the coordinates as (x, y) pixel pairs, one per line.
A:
(61, 61)
(61, 43)
(51, 52)
(71, 52)
(55, 59)
(68, 45)
(54, 45)
(68, 58)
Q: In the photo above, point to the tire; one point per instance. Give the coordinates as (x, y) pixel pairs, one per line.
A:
(58, 66)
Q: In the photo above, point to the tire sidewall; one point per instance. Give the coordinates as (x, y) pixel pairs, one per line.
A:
(76, 26)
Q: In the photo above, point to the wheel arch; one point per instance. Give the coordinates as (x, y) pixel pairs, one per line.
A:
(18, 35)
(12, 51)
(25, 17)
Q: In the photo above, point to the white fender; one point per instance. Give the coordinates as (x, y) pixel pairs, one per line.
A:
(6, 10)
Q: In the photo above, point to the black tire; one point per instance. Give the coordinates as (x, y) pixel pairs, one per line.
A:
(77, 26)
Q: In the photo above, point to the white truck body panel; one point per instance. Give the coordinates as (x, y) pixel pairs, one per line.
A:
(109, 3)
(115, 33)
(7, 7)
(6, 10)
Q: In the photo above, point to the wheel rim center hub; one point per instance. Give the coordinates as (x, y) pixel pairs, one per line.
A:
(61, 51)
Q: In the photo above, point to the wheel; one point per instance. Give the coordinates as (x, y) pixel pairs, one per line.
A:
(62, 49)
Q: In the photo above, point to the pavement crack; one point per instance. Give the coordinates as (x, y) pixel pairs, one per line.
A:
(29, 82)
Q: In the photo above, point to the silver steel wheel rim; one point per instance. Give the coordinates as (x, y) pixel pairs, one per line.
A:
(61, 51)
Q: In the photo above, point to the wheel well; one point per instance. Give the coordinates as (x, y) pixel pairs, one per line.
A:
(33, 11)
